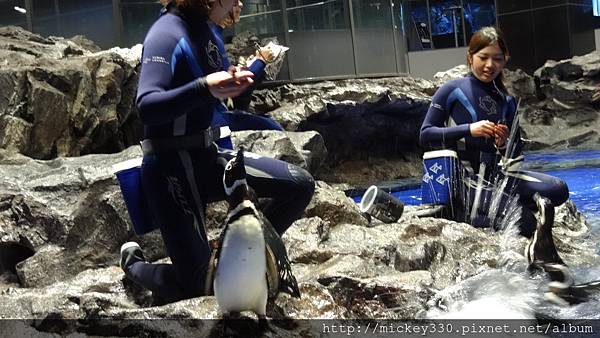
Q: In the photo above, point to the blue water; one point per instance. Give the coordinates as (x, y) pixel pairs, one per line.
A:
(580, 170)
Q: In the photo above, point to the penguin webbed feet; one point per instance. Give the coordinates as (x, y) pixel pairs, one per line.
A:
(234, 324)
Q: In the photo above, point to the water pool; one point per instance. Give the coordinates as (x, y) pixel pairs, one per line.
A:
(580, 169)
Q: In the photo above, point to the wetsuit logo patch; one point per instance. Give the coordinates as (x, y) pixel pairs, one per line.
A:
(155, 59)
(213, 55)
(488, 105)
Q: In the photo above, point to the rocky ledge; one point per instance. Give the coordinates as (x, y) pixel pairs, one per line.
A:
(62, 222)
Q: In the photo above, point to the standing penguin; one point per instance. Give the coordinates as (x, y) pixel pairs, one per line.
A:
(251, 261)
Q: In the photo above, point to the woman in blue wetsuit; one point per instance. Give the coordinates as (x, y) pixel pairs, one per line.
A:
(473, 116)
(181, 81)
(239, 119)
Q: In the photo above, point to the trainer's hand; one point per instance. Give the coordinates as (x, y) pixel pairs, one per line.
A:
(501, 134)
(483, 128)
(228, 84)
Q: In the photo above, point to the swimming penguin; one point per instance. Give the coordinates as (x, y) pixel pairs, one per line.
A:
(541, 248)
(251, 262)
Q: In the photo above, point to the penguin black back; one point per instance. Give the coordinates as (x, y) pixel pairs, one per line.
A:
(541, 249)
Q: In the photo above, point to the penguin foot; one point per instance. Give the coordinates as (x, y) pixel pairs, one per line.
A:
(263, 323)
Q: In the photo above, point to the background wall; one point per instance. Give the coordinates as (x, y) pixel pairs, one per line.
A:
(426, 63)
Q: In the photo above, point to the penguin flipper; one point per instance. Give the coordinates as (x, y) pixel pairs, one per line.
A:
(286, 281)
(216, 246)
(272, 274)
(210, 273)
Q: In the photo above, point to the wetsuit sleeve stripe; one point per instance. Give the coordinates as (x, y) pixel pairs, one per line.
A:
(434, 132)
(157, 101)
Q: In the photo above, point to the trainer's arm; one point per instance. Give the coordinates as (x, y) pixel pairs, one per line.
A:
(158, 100)
(434, 132)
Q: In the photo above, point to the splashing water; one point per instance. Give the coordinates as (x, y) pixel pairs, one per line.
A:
(492, 294)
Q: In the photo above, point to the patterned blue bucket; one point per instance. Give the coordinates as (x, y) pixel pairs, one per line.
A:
(440, 169)
(129, 175)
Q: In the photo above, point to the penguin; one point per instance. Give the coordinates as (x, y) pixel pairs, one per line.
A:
(541, 248)
(542, 254)
(250, 263)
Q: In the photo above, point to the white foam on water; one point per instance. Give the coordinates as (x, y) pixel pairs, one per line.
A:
(492, 294)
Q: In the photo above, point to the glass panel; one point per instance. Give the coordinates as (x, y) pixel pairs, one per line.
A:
(66, 18)
(400, 24)
(138, 16)
(507, 6)
(12, 12)
(546, 3)
(518, 30)
(582, 29)
(551, 34)
(320, 38)
(265, 20)
(446, 23)
(478, 14)
(373, 37)
(416, 24)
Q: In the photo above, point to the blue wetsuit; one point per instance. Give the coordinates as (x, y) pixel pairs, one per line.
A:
(240, 120)
(463, 101)
(173, 100)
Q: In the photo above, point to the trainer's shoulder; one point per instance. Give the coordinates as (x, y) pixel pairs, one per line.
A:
(167, 28)
(457, 83)
(451, 85)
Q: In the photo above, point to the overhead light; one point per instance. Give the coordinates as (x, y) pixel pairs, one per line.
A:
(20, 9)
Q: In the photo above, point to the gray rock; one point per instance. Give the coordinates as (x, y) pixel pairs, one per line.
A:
(304, 149)
(62, 99)
(333, 206)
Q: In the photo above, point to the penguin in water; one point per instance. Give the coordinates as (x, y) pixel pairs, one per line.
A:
(250, 262)
(542, 254)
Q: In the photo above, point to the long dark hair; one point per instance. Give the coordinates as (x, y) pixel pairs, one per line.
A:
(201, 7)
(487, 36)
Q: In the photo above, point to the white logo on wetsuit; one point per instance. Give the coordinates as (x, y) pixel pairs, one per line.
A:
(488, 105)
(156, 59)
(214, 55)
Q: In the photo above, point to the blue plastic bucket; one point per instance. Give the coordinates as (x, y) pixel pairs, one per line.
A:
(129, 175)
(440, 169)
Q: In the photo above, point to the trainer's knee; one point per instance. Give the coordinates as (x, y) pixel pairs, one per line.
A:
(560, 193)
(527, 223)
(304, 184)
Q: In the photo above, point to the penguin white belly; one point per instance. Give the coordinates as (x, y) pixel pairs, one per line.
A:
(240, 281)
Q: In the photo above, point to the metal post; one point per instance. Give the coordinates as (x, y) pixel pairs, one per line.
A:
(394, 36)
(430, 28)
(118, 18)
(462, 18)
(454, 9)
(29, 15)
(286, 37)
(352, 35)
